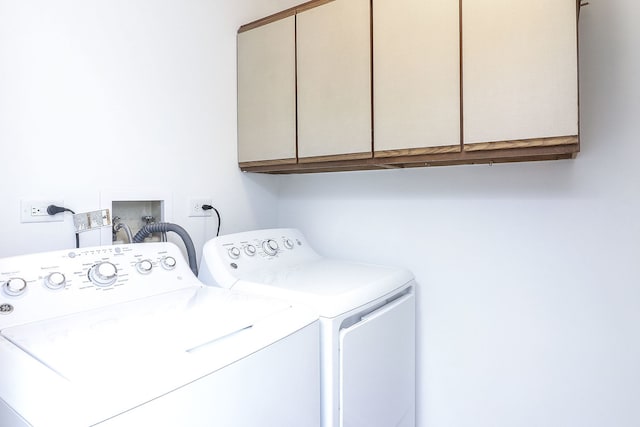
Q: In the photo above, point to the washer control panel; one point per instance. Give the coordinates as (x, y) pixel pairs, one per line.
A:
(45, 285)
(228, 258)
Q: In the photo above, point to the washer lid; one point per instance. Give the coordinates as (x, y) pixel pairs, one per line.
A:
(139, 337)
(79, 369)
(331, 287)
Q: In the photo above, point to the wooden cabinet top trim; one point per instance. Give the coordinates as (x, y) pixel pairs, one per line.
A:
(267, 163)
(498, 153)
(418, 151)
(283, 14)
(524, 143)
(335, 157)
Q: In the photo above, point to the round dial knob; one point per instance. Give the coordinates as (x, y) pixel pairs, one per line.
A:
(15, 286)
(55, 280)
(270, 247)
(234, 252)
(103, 274)
(288, 243)
(169, 262)
(250, 250)
(145, 266)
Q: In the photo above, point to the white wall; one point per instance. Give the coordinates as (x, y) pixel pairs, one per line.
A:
(529, 300)
(122, 97)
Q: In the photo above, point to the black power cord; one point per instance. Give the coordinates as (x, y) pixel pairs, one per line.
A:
(208, 208)
(54, 210)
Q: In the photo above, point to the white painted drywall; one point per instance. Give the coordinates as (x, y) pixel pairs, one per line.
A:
(529, 279)
(122, 97)
(529, 298)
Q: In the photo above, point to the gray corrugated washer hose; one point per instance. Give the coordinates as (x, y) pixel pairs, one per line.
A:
(163, 227)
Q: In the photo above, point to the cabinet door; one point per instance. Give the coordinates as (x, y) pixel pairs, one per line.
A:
(334, 81)
(519, 70)
(416, 75)
(267, 93)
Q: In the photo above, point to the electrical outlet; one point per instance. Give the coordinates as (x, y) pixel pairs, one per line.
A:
(36, 211)
(195, 207)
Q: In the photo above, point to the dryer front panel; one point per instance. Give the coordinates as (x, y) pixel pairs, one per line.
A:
(377, 367)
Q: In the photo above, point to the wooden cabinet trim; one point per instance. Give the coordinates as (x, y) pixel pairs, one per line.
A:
(267, 163)
(417, 151)
(523, 143)
(283, 14)
(504, 155)
(337, 157)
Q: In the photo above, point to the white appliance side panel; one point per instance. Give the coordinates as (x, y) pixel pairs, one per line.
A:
(277, 386)
(377, 367)
(9, 418)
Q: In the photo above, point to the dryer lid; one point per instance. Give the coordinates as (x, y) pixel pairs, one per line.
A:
(331, 287)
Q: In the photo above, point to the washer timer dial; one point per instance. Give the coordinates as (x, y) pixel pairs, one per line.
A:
(103, 274)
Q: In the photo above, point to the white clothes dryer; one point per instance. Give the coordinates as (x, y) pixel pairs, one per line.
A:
(123, 336)
(367, 319)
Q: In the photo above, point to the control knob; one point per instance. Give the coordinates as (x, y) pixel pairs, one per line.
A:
(15, 286)
(288, 243)
(55, 281)
(250, 250)
(234, 252)
(103, 274)
(169, 262)
(144, 267)
(270, 247)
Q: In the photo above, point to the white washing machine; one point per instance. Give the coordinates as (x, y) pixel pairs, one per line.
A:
(367, 319)
(127, 336)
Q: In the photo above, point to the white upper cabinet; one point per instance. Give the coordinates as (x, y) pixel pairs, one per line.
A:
(334, 81)
(416, 75)
(332, 85)
(267, 93)
(520, 71)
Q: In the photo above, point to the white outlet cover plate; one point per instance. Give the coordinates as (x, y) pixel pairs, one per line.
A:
(36, 211)
(195, 207)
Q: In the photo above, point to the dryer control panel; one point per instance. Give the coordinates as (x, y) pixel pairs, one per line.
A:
(241, 255)
(45, 285)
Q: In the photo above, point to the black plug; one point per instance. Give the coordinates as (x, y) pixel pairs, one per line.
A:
(208, 208)
(53, 209)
